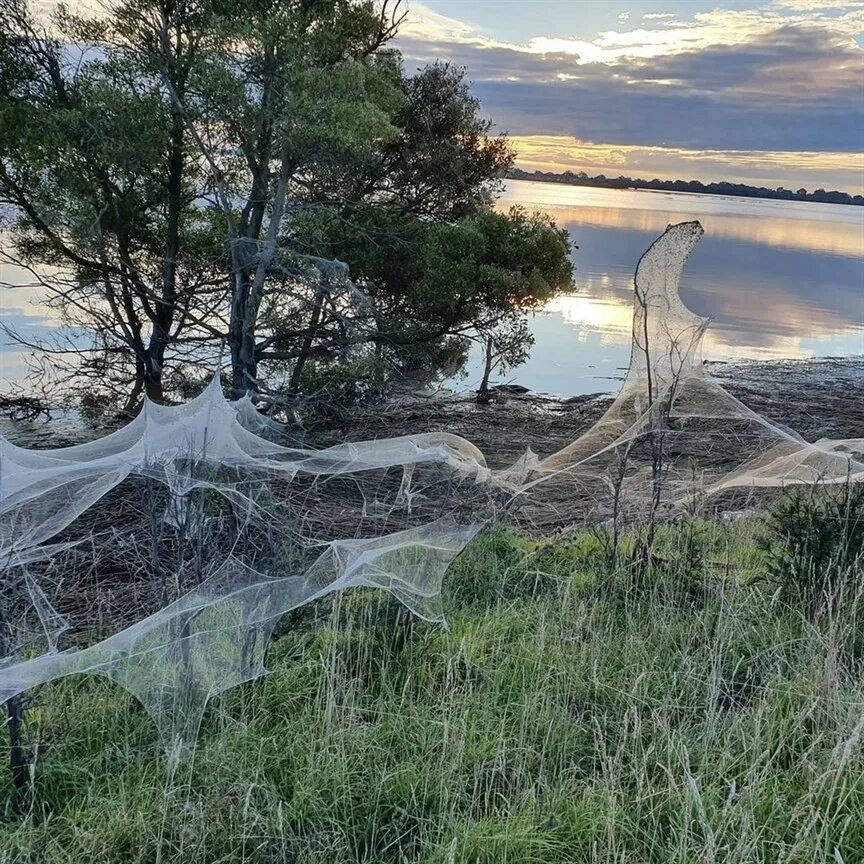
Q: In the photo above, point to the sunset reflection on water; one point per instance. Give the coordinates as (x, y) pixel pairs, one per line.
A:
(778, 279)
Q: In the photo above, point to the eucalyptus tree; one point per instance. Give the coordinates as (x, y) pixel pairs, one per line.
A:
(260, 175)
(97, 165)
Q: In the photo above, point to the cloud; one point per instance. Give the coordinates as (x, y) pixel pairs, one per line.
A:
(725, 80)
(657, 16)
(603, 110)
(714, 28)
(765, 167)
(426, 24)
(818, 5)
(806, 64)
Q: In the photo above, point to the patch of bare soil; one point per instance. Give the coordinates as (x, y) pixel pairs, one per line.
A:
(816, 398)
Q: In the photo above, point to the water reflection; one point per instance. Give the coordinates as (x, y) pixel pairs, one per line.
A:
(778, 279)
(828, 228)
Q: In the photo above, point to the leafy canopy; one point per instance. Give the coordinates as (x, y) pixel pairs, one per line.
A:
(189, 170)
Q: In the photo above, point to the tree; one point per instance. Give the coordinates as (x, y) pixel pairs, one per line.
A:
(505, 345)
(381, 160)
(436, 264)
(433, 286)
(96, 163)
(286, 92)
(210, 166)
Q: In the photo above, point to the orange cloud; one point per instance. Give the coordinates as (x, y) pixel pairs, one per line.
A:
(760, 167)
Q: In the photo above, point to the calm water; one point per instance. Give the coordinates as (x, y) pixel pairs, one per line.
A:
(779, 279)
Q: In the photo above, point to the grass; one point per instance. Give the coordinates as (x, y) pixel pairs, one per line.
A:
(567, 715)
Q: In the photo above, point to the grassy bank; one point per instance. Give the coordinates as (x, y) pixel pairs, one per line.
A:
(569, 714)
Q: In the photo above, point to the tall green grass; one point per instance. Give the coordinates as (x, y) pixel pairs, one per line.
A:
(568, 714)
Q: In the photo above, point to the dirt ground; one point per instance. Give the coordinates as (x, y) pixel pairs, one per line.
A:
(817, 398)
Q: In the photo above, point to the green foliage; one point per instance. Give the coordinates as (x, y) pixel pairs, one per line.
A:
(814, 546)
(94, 160)
(562, 718)
(431, 280)
(155, 171)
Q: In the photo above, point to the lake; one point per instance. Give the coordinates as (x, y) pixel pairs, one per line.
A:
(780, 279)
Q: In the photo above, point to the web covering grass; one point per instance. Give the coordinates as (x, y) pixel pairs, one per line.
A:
(255, 530)
(563, 717)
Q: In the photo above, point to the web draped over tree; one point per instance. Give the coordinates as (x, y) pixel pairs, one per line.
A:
(256, 529)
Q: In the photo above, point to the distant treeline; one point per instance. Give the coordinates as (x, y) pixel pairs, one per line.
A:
(739, 189)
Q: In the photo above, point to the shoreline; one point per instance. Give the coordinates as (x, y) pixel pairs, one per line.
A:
(817, 398)
(821, 397)
(638, 184)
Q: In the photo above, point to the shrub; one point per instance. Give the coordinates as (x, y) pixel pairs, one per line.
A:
(814, 544)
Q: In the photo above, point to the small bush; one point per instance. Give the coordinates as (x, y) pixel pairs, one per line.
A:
(815, 543)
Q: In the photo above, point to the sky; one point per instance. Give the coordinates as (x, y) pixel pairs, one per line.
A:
(769, 93)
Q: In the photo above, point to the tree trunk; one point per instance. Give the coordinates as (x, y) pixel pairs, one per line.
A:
(132, 400)
(148, 376)
(483, 391)
(153, 387)
(309, 339)
(245, 369)
(160, 336)
(249, 294)
(241, 339)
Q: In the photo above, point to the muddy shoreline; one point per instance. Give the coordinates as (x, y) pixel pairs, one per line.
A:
(821, 398)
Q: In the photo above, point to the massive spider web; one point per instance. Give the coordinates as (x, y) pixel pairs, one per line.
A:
(673, 432)
(273, 528)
